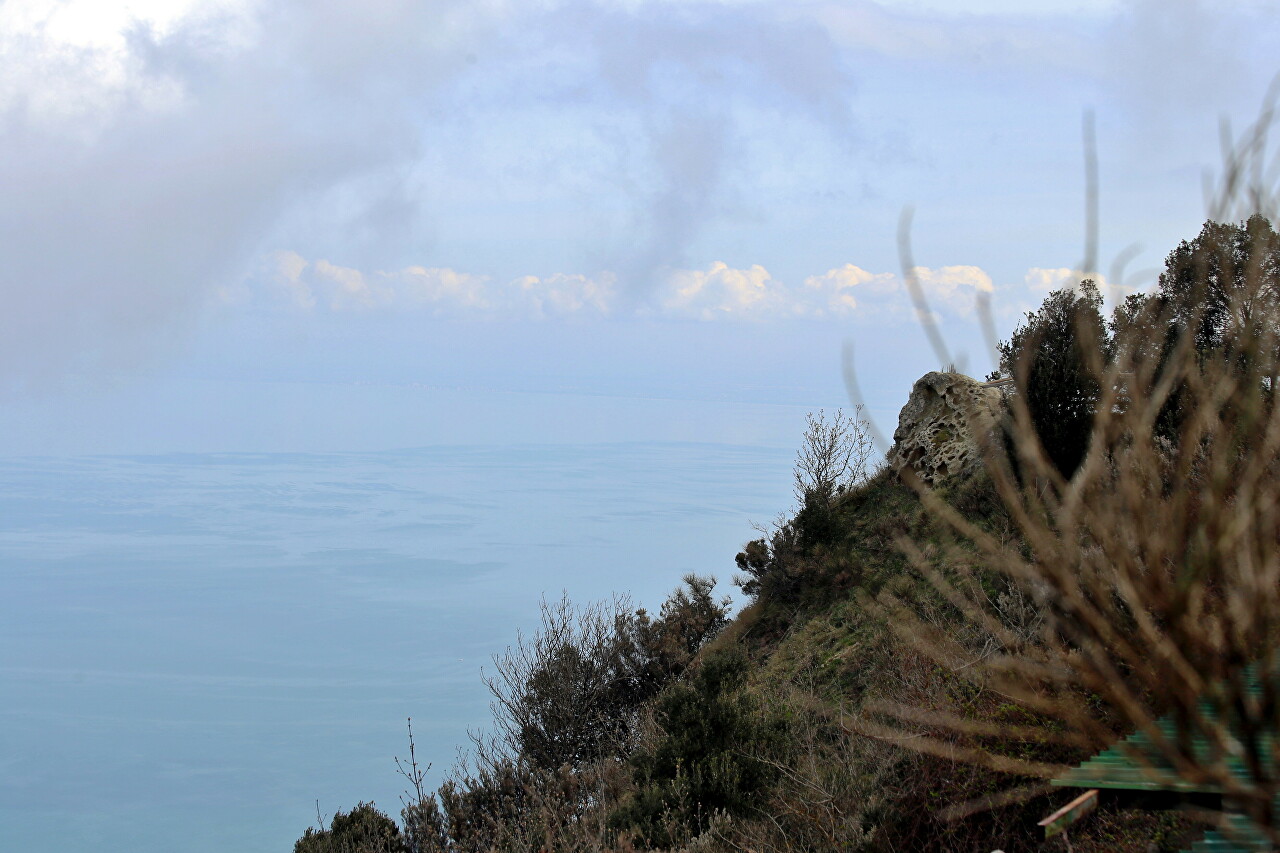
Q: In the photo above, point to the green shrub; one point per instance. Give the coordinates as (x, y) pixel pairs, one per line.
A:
(572, 693)
(703, 763)
(364, 829)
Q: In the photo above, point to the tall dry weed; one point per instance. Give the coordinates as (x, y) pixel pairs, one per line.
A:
(1154, 571)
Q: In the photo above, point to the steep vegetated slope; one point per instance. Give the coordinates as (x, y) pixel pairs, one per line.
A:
(918, 659)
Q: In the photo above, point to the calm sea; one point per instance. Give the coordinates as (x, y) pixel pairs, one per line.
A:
(194, 649)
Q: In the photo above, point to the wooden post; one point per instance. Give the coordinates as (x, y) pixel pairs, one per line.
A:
(1070, 813)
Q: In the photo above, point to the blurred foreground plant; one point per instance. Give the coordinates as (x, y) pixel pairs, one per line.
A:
(1155, 568)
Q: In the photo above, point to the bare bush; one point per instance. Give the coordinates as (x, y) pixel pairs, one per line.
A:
(571, 694)
(834, 455)
(560, 695)
(828, 781)
(567, 710)
(496, 804)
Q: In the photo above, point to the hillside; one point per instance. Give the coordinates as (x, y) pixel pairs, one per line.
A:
(927, 645)
(795, 770)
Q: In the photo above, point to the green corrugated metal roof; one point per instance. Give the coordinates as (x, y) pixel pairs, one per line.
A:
(1136, 764)
(1240, 835)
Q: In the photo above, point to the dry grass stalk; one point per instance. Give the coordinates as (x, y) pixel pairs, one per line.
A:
(1156, 567)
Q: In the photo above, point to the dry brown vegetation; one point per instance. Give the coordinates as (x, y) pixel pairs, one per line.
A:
(1154, 571)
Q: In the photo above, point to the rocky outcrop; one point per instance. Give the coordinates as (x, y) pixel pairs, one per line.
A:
(940, 426)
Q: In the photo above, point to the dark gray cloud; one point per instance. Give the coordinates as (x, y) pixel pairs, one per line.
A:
(119, 219)
(1173, 60)
(137, 182)
(126, 202)
(695, 76)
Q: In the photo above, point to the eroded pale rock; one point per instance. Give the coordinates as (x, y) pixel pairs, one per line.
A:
(938, 428)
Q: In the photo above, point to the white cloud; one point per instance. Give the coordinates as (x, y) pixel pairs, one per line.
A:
(75, 63)
(323, 285)
(954, 287)
(851, 289)
(309, 285)
(717, 292)
(442, 287)
(289, 269)
(1041, 281)
(348, 288)
(721, 290)
(839, 291)
(147, 157)
(565, 294)
(962, 36)
(1046, 279)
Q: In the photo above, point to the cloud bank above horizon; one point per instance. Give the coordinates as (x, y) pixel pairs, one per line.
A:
(715, 159)
(714, 293)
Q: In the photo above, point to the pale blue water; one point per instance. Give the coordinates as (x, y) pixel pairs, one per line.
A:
(194, 648)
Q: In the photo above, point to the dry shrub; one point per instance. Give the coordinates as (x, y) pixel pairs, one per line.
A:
(569, 706)
(828, 781)
(1154, 571)
(836, 789)
(502, 806)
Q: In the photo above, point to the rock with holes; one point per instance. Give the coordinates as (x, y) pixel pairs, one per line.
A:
(939, 427)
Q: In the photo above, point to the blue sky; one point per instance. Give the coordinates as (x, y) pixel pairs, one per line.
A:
(278, 225)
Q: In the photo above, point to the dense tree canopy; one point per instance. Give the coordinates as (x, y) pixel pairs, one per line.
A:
(1220, 282)
(1217, 290)
(1218, 293)
(1054, 356)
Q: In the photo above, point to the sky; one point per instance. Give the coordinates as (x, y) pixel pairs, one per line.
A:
(286, 225)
